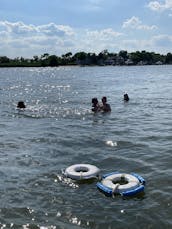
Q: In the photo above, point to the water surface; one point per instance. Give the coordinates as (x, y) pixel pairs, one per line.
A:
(57, 129)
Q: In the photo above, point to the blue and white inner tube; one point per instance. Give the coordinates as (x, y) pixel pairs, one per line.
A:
(82, 172)
(121, 183)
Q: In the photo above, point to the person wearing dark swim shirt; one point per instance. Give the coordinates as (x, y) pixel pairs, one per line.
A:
(126, 97)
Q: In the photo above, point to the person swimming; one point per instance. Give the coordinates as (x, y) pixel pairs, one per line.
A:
(21, 105)
(95, 105)
(126, 97)
(105, 106)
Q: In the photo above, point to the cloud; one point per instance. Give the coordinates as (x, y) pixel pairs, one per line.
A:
(98, 40)
(158, 44)
(105, 34)
(132, 45)
(21, 29)
(158, 6)
(136, 23)
(163, 40)
(55, 30)
(20, 39)
(17, 28)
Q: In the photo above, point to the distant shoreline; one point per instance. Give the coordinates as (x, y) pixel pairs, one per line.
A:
(104, 58)
(74, 65)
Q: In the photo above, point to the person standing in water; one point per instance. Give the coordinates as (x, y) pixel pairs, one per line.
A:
(95, 105)
(105, 106)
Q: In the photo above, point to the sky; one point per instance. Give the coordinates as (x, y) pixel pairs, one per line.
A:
(56, 27)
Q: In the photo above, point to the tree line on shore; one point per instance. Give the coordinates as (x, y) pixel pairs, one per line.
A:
(90, 59)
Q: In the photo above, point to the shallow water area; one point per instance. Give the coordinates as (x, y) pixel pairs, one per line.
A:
(58, 129)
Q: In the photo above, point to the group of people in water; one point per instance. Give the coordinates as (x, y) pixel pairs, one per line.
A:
(104, 106)
(96, 106)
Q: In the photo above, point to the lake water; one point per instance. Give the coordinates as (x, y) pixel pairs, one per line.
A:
(57, 130)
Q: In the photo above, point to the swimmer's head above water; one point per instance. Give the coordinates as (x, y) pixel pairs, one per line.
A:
(21, 104)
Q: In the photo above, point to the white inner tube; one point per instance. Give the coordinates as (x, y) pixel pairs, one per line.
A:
(82, 171)
(130, 182)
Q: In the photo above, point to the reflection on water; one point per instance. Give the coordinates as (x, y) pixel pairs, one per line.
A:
(111, 143)
(43, 111)
(57, 129)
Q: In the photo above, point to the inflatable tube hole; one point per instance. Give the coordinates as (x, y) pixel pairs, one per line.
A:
(121, 181)
(83, 170)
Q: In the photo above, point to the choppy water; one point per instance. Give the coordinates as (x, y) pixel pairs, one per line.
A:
(57, 130)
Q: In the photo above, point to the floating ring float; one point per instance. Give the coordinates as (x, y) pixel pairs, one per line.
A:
(121, 183)
(82, 171)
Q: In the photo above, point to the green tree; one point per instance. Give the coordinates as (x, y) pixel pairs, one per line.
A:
(80, 58)
(53, 60)
(92, 58)
(123, 54)
(135, 57)
(168, 59)
(66, 58)
(4, 59)
(67, 55)
(35, 58)
(44, 56)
